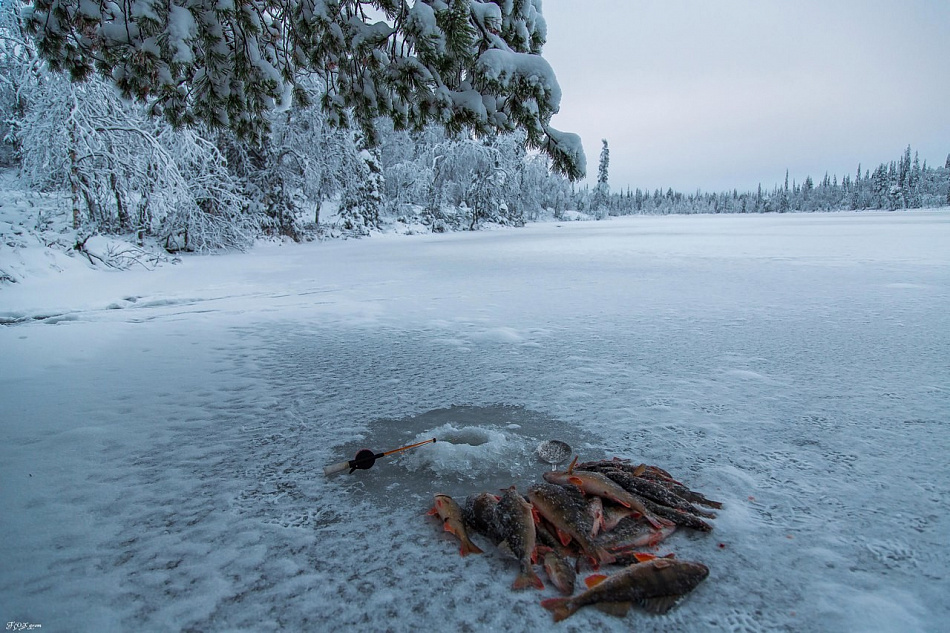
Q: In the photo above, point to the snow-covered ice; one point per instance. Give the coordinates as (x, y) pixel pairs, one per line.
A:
(165, 431)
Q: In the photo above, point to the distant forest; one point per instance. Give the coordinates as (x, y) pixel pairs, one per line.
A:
(905, 183)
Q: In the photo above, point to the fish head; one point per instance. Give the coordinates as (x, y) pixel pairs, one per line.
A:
(537, 498)
(546, 499)
(694, 569)
(556, 477)
(446, 506)
(689, 572)
(567, 478)
(511, 492)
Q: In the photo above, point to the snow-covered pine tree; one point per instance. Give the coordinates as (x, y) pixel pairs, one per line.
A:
(947, 166)
(914, 200)
(604, 164)
(784, 201)
(362, 197)
(601, 199)
(459, 63)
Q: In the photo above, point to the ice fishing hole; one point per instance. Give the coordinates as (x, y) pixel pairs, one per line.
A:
(477, 449)
(469, 435)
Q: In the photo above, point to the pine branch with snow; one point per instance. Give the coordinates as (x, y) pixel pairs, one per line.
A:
(460, 63)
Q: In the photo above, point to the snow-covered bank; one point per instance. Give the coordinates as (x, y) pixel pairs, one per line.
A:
(165, 431)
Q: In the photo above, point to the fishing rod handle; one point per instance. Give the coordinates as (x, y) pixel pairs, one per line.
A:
(335, 468)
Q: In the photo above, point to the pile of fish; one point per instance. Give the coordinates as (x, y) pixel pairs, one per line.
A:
(595, 513)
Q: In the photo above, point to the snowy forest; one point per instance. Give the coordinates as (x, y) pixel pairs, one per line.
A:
(202, 186)
(220, 171)
(905, 183)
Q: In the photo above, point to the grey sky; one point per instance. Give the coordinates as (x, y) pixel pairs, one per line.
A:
(729, 93)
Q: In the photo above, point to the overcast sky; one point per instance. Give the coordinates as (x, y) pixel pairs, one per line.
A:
(728, 93)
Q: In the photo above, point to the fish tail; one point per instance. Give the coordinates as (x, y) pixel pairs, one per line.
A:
(561, 607)
(604, 556)
(527, 578)
(469, 548)
(657, 522)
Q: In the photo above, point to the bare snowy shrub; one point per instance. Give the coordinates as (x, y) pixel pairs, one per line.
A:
(407, 169)
(462, 181)
(129, 173)
(304, 163)
(19, 63)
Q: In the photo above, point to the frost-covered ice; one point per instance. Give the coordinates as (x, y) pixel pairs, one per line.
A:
(165, 432)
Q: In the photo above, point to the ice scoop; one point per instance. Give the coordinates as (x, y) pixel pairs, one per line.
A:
(553, 452)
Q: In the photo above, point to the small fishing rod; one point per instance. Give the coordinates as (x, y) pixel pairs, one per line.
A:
(365, 459)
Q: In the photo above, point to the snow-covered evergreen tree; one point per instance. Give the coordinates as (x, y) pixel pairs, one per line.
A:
(914, 200)
(784, 202)
(947, 167)
(601, 200)
(604, 164)
(460, 63)
(362, 198)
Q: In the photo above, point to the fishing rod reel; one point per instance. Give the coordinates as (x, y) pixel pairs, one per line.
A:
(365, 458)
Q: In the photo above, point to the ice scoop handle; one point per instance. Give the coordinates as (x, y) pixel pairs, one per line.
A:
(335, 468)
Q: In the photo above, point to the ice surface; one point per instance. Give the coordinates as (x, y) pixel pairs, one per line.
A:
(165, 432)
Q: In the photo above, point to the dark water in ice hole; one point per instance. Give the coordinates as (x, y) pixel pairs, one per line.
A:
(477, 449)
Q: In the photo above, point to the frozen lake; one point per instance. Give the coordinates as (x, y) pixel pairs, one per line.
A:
(165, 431)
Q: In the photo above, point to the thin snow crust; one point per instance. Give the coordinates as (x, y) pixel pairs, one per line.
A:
(164, 437)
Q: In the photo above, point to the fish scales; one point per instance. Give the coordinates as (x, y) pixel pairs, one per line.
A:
(653, 491)
(655, 474)
(560, 571)
(595, 507)
(599, 484)
(515, 524)
(692, 496)
(656, 585)
(451, 515)
(564, 507)
(545, 536)
(680, 489)
(478, 513)
(632, 532)
(684, 519)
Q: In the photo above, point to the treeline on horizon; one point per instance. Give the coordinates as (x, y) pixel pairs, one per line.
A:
(905, 183)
